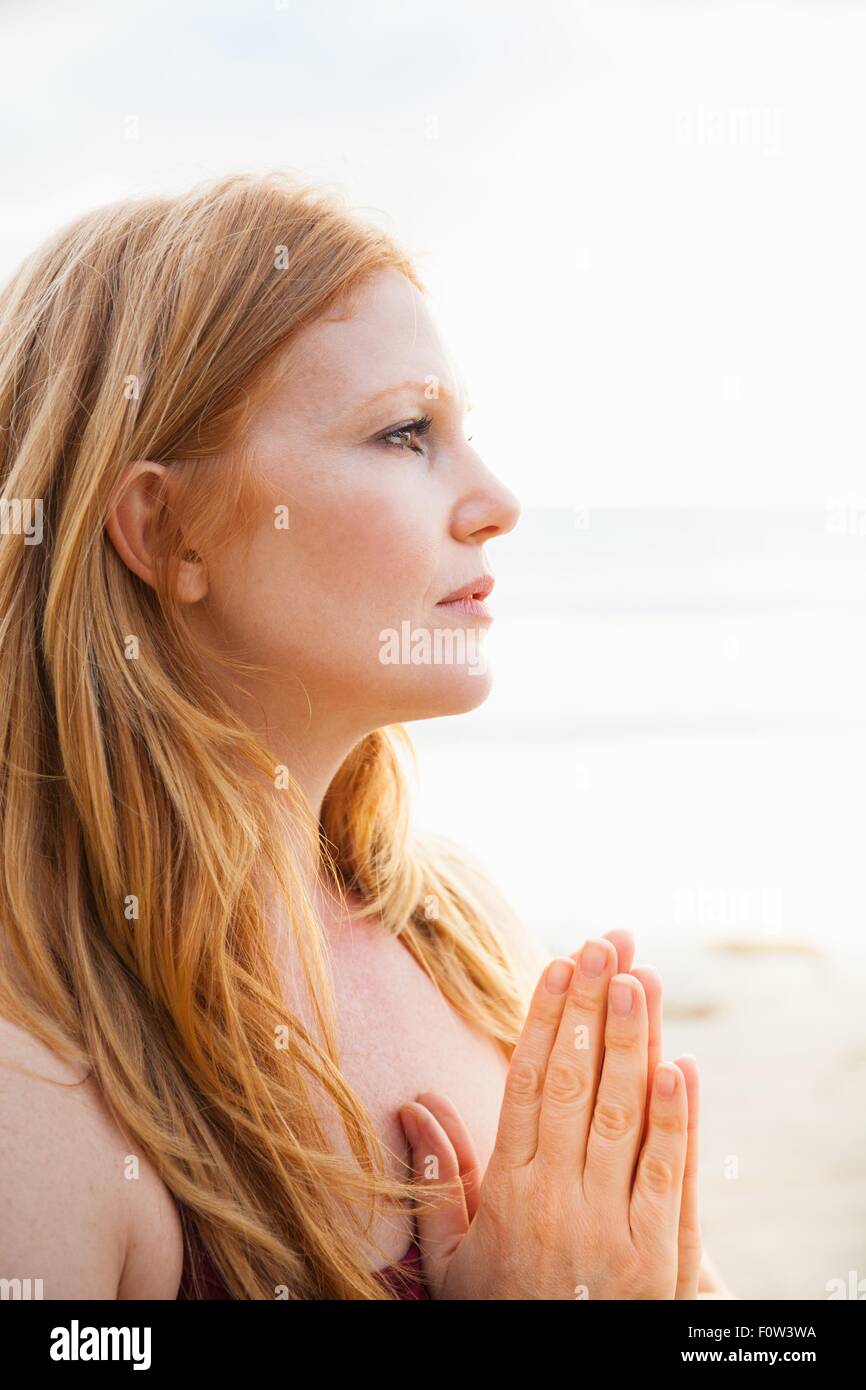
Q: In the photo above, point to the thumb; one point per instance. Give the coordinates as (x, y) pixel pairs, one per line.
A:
(464, 1148)
(442, 1219)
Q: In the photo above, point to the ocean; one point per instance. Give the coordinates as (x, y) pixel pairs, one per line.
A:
(675, 740)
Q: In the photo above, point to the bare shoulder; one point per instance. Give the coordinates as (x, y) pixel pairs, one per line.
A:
(526, 949)
(76, 1207)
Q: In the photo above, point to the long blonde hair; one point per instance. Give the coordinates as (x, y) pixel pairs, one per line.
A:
(137, 811)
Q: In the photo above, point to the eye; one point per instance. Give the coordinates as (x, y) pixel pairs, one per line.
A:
(396, 437)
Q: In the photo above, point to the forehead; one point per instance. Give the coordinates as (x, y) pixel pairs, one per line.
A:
(347, 365)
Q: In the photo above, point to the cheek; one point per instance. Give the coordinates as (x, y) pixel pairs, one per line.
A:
(323, 589)
(369, 554)
(376, 545)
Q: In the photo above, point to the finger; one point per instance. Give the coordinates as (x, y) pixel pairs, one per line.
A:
(461, 1140)
(442, 1219)
(575, 1061)
(517, 1132)
(623, 943)
(617, 1117)
(652, 988)
(690, 1240)
(656, 1198)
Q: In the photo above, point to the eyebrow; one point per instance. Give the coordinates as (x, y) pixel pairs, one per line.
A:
(410, 385)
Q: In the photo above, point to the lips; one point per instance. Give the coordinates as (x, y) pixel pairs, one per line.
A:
(476, 588)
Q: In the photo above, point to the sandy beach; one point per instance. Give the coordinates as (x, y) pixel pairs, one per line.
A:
(779, 1037)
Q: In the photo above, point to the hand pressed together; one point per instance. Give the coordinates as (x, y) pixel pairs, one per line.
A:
(591, 1188)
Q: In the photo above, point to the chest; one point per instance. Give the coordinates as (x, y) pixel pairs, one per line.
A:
(398, 1036)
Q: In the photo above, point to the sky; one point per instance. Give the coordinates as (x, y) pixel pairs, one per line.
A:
(642, 224)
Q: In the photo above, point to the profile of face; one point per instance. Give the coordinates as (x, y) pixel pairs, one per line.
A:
(383, 510)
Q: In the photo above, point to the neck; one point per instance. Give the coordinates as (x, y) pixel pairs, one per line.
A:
(309, 733)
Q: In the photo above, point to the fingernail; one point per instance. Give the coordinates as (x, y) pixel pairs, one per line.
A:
(593, 959)
(558, 976)
(666, 1079)
(621, 997)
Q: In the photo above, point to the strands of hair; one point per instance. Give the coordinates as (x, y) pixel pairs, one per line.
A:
(148, 329)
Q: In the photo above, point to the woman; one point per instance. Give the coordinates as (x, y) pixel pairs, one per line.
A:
(246, 441)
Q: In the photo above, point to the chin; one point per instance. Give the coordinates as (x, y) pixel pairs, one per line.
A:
(451, 690)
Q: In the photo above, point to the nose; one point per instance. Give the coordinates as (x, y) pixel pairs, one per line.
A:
(486, 509)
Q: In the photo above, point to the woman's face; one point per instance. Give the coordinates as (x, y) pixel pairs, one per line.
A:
(383, 523)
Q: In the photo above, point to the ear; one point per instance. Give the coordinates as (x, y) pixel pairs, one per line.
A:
(132, 525)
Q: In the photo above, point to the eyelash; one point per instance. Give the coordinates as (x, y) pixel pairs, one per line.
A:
(419, 426)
